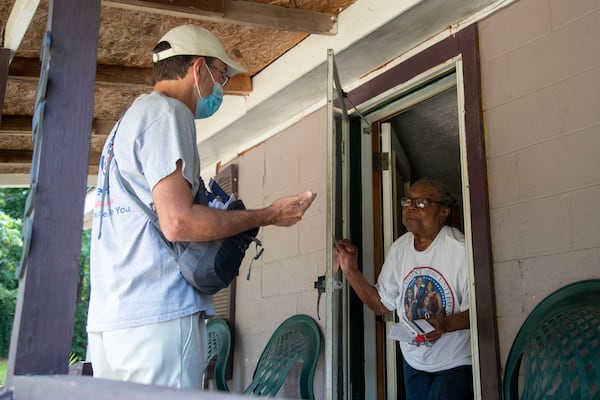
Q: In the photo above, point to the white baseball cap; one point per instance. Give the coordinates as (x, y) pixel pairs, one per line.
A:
(191, 40)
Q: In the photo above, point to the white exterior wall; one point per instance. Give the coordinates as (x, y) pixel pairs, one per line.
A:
(540, 63)
(282, 281)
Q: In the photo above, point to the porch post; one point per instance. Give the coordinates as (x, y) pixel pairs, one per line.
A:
(44, 316)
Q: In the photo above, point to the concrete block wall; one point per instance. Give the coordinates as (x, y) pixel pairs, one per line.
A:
(540, 65)
(282, 281)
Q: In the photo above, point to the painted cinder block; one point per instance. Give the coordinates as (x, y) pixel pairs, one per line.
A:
(530, 228)
(563, 164)
(585, 217)
(514, 26)
(568, 51)
(563, 108)
(562, 12)
(503, 181)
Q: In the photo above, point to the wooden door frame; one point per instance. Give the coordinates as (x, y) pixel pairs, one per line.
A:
(463, 44)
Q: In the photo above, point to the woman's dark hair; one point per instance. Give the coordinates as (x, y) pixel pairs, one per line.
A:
(445, 196)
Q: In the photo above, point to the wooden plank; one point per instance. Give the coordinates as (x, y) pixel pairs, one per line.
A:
(14, 169)
(4, 62)
(15, 124)
(194, 9)
(28, 69)
(238, 13)
(16, 156)
(69, 387)
(280, 18)
(487, 328)
(43, 324)
(18, 21)
(25, 156)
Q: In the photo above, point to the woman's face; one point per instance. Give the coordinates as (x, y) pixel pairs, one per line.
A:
(424, 221)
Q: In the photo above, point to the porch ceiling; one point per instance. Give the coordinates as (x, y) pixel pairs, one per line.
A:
(286, 64)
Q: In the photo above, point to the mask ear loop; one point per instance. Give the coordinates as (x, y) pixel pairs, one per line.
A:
(210, 73)
(198, 90)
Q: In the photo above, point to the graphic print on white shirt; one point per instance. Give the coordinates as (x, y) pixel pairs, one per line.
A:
(427, 292)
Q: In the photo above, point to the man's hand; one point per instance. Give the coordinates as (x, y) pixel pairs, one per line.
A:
(289, 210)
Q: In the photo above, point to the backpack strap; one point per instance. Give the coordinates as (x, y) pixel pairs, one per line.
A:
(152, 216)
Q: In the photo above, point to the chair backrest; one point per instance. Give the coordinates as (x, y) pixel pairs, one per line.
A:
(560, 345)
(297, 339)
(219, 346)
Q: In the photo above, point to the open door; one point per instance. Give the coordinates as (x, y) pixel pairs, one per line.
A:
(446, 73)
(394, 168)
(336, 337)
(426, 121)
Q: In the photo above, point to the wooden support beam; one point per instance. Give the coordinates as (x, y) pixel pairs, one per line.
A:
(15, 132)
(238, 13)
(44, 315)
(18, 21)
(4, 62)
(22, 68)
(193, 9)
(16, 144)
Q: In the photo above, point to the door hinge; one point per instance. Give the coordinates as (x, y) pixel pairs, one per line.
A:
(381, 161)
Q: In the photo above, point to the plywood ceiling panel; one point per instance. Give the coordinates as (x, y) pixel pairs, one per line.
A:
(125, 39)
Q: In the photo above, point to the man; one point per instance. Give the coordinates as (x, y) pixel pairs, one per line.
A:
(145, 322)
(429, 252)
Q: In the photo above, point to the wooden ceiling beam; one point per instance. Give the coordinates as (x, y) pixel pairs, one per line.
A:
(18, 21)
(17, 128)
(193, 9)
(237, 12)
(29, 69)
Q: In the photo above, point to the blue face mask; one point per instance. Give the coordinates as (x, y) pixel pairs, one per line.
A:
(207, 106)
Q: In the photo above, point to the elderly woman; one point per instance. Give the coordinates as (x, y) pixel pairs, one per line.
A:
(435, 251)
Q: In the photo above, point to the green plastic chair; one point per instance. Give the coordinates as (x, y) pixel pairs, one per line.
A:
(297, 339)
(219, 346)
(560, 345)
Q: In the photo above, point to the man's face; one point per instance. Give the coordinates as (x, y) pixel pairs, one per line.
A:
(424, 221)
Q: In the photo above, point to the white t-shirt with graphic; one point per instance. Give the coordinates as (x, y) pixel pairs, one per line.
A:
(418, 283)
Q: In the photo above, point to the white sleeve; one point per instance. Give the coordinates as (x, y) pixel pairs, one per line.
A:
(388, 285)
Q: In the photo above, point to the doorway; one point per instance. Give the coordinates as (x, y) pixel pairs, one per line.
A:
(416, 135)
(437, 90)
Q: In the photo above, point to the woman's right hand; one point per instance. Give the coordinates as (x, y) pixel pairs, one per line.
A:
(346, 255)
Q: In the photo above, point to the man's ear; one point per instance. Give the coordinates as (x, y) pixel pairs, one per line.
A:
(197, 64)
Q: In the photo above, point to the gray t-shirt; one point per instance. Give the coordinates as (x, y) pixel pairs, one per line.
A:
(134, 278)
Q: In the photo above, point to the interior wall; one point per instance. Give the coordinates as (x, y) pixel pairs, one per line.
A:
(540, 66)
(282, 281)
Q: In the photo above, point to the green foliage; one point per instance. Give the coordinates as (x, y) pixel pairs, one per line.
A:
(11, 247)
(3, 367)
(12, 201)
(79, 345)
(12, 205)
(8, 299)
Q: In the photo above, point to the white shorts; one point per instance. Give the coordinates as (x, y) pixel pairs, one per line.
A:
(171, 353)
